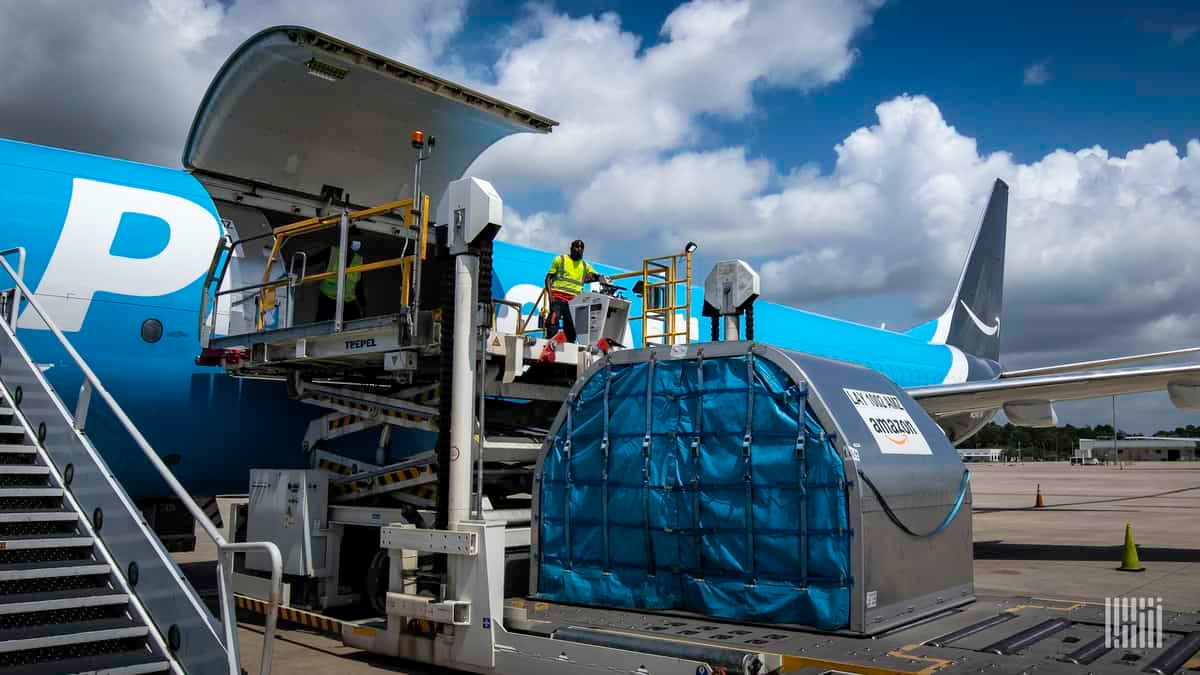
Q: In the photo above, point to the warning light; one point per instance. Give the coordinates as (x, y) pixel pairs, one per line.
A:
(418, 139)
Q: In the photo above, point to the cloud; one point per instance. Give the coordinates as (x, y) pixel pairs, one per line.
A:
(618, 98)
(125, 78)
(1038, 74)
(682, 190)
(542, 230)
(1101, 258)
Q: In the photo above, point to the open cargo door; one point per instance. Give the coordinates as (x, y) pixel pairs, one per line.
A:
(300, 111)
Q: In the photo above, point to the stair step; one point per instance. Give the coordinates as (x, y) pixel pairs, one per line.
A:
(139, 662)
(5, 410)
(58, 600)
(31, 492)
(63, 634)
(12, 429)
(24, 470)
(43, 516)
(18, 448)
(56, 568)
(28, 541)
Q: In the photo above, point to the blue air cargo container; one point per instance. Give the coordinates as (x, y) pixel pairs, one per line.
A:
(740, 481)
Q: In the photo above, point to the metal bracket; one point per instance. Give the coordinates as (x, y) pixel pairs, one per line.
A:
(514, 358)
(401, 360)
(456, 612)
(407, 537)
(81, 406)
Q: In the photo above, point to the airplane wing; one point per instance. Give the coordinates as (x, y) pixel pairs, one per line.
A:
(1022, 396)
(1101, 363)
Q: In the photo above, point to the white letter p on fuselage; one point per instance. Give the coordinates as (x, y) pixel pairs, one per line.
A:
(82, 263)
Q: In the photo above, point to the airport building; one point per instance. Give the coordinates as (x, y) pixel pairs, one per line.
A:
(1139, 449)
(981, 454)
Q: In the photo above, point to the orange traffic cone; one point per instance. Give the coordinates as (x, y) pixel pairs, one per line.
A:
(1129, 556)
(1038, 502)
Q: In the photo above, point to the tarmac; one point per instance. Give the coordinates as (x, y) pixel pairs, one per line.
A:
(1072, 546)
(1069, 549)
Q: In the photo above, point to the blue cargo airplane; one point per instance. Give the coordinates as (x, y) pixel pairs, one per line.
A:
(117, 252)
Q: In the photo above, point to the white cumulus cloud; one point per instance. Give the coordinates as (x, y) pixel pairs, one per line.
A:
(618, 98)
(1038, 74)
(125, 78)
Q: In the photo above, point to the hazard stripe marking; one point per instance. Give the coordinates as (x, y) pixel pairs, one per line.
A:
(391, 478)
(335, 467)
(346, 420)
(290, 614)
(343, 421)
(323, 623)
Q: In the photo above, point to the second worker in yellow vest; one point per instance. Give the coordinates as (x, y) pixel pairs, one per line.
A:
(565, 280)
(353, 297)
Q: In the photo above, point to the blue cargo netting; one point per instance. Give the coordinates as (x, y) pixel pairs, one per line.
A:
(703, 485)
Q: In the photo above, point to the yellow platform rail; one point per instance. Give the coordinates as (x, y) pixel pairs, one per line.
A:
(416, 219)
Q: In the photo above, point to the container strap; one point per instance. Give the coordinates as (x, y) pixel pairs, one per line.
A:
(698, 533)
(748, 474)
(958, 502)
(801, 460)
(650, 566)
(570, 482)
(605, 448)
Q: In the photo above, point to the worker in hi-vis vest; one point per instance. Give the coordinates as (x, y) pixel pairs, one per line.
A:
(353, 297)
(567, 275)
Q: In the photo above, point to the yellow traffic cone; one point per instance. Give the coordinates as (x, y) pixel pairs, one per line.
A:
(1038, 503)
(1129, 557)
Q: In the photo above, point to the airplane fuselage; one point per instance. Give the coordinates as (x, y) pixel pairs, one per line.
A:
(117, 252)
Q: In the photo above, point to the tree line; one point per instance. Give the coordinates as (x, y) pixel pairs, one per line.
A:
(1054, 442)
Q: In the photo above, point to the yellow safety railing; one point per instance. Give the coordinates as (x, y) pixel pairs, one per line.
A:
(663, 273)
(284, 232)
(539, 305)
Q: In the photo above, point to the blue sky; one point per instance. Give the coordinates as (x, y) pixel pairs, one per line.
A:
(1120, 75)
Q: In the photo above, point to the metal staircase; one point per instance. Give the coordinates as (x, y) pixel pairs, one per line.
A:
(61, 607)
(85, 584)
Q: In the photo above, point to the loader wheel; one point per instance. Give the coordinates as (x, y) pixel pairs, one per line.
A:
(377, 582)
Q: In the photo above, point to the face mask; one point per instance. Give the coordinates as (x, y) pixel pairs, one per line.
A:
(355, 245)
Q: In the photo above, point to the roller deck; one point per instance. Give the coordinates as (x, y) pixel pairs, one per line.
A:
(992, 634)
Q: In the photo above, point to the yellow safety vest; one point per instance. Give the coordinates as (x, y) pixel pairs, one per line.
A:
(329, 286)
(568, 274)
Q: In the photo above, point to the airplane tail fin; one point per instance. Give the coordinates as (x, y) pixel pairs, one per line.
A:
(972, 320)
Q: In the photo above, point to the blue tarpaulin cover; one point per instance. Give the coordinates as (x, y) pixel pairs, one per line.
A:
(673, 485)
